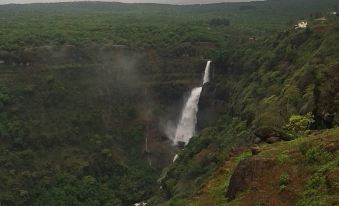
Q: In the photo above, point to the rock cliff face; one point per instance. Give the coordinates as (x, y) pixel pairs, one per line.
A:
(213, 103)
(214, 99)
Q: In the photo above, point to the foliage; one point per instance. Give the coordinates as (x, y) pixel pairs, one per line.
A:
(283, 182)
(143, 25)
(282, 158)
(69, 190)
(4, 97)
(72, 109)
(314, 191)
(63, 143)
(203, 155)
(317, 155)
(299, 124)
(323, 162)
(219, 22)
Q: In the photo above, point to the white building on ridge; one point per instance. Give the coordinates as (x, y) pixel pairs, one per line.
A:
(301, 25)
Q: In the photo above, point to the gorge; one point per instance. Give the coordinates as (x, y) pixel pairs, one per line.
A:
(96, 98)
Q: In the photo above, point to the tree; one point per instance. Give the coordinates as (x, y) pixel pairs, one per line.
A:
(219, 22)
(299, 124)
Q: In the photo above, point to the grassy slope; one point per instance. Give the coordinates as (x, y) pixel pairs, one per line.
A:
(310, 163)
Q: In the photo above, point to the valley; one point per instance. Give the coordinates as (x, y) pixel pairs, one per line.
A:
(93, 98)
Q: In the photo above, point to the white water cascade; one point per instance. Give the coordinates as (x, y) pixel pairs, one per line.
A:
(207, 73)
(186, 126)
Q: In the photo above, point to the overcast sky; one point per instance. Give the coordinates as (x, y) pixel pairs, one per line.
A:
(127, 1)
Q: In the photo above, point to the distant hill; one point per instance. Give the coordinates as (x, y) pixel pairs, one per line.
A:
(128, 1)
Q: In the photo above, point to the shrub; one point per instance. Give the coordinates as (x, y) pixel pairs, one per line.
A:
(314, 192)
(283, 181)
(282, 158)
(299, 124)
(304, 147)
(318, 156)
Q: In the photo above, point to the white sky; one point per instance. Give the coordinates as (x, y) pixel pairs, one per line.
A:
(127, 1)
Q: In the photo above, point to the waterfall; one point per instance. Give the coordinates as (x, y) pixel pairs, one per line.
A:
(188, 120)
(207, 73)
(186, 126)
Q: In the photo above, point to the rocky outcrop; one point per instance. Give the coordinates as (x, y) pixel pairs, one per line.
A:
(246, 172)
(270, 135)
(212, 104)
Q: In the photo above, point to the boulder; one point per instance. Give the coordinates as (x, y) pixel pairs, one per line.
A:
(272, 140)
(181, 145)
(265, 133)
(257, 140)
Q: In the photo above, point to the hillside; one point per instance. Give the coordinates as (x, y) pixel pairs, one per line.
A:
(254, 98)
(300, 172)
(89, 90)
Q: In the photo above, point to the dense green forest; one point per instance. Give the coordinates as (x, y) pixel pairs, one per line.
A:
(147, 25)
(87, 90)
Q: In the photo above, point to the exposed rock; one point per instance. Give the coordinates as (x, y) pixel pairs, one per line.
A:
(247, 170)
(159, 151)
(212, 103)
(272, 140)
(266, 132)
(181, 145)
(255, 150)
(257, 140)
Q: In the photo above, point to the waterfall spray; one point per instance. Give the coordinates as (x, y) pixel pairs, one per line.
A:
(186, 126)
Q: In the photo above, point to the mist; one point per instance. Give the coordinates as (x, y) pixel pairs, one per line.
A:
(126, 1)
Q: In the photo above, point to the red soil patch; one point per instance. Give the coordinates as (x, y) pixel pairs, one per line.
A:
(259, 179)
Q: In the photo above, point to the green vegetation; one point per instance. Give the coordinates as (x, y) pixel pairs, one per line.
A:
(271, 83)
(299, 124)
(82, 85)
(314, 190)
(314, 183)
(142, 25)
(202, 156)
(317, 155)
(283, 182)
(66, 136)
(318, 186)
(219, 22)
